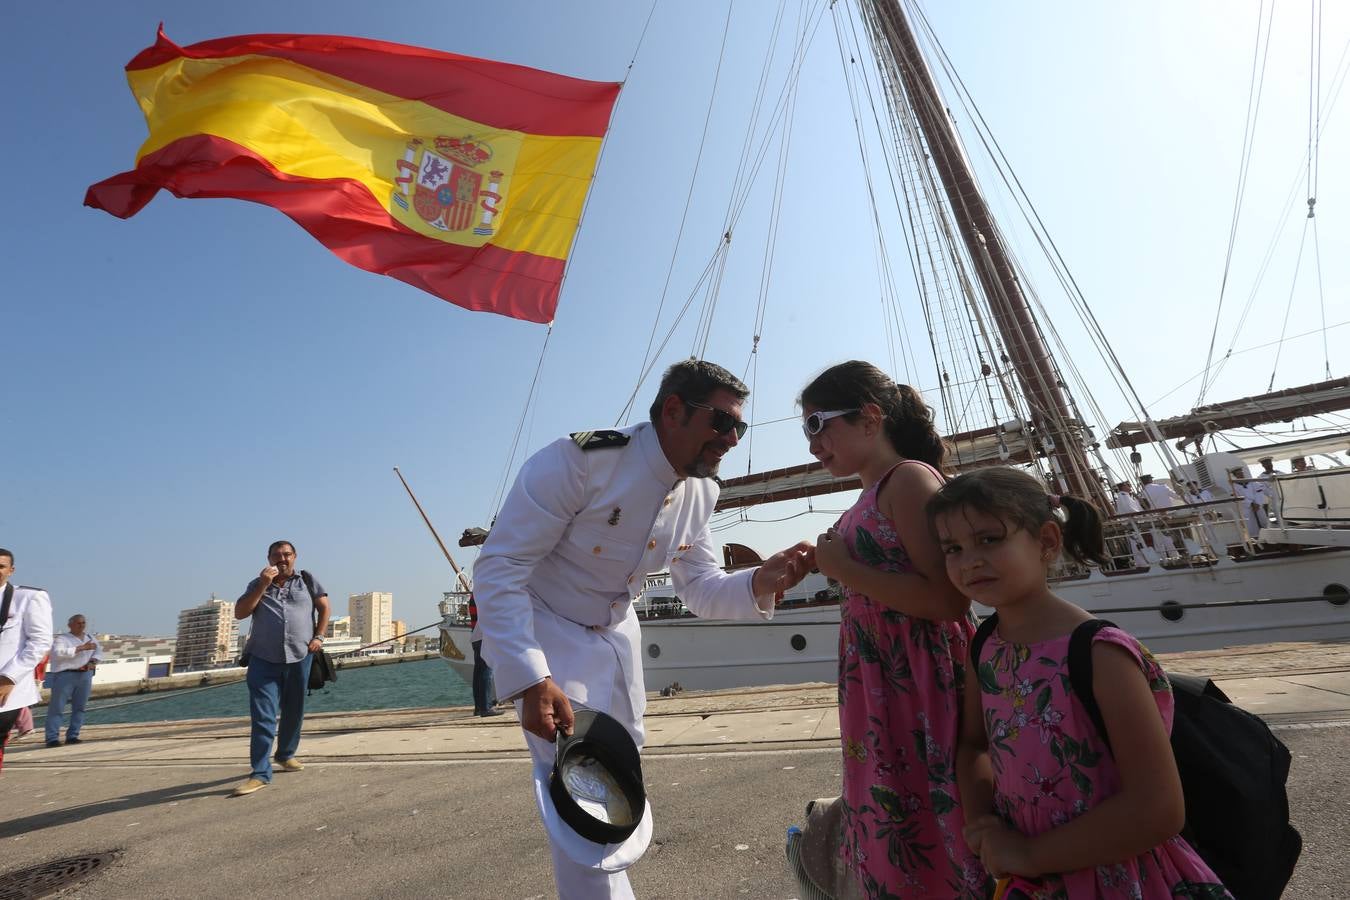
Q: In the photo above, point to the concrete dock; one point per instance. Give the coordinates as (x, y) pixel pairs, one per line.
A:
(436, 803)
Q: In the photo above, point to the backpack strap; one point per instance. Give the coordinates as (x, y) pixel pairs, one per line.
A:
(981, 635)
(1080, 670)
(309, 586)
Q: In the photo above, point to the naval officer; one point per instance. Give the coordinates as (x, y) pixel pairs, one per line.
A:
(588, 518)
(25, 638)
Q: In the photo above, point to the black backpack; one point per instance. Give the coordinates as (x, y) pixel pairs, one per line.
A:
(1233, 772)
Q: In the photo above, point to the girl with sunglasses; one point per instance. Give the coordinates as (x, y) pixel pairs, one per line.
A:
(904, 635)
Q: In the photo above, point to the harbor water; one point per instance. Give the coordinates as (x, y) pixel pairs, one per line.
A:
(424, 683)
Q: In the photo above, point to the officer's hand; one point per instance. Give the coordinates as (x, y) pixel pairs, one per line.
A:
(784, 569)
(545, 709)
(5, 687)
(87, 645)
(269, 573)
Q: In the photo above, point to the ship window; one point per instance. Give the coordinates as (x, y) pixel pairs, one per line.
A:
(1336, 594)
(798, 642)
(1171, 611)
(653, 650)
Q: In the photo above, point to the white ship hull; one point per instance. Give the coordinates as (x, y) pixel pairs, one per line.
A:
(709, 654)
(801, 644)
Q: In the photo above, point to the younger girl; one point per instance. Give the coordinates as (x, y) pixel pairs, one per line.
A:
(1049, 804)
(903, 640)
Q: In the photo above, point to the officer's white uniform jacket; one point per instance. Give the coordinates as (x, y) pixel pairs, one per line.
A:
(570, 551)
(24, 639)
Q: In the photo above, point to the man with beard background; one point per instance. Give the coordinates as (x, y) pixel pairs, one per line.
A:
(587, 519)
(289, 609)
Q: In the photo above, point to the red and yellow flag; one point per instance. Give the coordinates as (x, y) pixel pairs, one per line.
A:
(463, 177)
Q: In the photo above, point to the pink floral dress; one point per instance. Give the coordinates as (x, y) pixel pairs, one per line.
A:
(1051, 765)
(899, 704)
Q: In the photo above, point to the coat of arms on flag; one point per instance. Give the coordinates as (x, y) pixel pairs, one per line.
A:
(445, 182)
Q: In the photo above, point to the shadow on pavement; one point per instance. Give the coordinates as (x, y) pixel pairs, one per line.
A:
(56, 817)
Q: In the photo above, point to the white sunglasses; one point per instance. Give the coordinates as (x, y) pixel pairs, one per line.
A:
(814, 424)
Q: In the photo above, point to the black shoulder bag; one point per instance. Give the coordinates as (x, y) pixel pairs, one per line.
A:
(321, 669)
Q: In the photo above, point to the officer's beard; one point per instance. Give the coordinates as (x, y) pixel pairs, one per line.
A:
(701, 467)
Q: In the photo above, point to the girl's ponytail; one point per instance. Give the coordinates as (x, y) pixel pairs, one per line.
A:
(909, 425)
(1082, 529)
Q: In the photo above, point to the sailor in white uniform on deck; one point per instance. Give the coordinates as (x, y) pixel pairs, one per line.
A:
(1251, 495)
(1268, 489)
(1126, 504)
(1158, 495)
(587, 519)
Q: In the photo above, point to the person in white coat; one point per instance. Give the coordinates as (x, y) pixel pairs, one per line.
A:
(75, 655)
(588, 518)
(25, 638)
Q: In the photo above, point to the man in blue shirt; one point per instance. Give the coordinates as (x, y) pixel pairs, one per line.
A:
(289, 609)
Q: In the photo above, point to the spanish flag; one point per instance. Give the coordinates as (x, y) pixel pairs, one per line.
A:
(463, 177)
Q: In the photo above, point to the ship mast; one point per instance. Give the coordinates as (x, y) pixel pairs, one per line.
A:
(1058, 430)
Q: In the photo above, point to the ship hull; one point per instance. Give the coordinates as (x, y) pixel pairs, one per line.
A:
(801, 644)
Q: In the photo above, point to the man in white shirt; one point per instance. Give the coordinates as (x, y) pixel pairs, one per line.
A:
(25, 637)
(1265, 491)
(1158, 495)
(71, 677)
(1125, 502)
(1197, 494)
(1251, 497)
(588, 518)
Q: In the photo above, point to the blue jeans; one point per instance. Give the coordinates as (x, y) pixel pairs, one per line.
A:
(67, 687)
(484, 693)
(272, 686)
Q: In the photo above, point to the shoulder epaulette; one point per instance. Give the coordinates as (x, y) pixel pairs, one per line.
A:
(599, 440)
(29, 587)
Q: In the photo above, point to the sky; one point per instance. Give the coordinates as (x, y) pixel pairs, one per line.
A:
(183, 387)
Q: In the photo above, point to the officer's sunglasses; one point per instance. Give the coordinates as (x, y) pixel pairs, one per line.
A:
(814, 424)
(722, 421)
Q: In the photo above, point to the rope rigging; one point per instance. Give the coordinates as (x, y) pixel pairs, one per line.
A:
(684, 216)
(737, 202)
(1254, 91)
(1299, 175)
(528, 406)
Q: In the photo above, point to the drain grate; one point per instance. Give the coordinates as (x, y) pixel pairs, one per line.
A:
(47, 878)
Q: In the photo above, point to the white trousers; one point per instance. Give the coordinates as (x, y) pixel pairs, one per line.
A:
(574, 880)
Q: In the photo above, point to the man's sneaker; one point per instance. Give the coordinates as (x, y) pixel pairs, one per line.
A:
(71, 740)
(53, 743)
(249, 787)
(290, 765)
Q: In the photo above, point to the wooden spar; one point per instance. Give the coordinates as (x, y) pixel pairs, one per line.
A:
(1248, 412)
(459, 573)
(967, 450)
(1021, 335)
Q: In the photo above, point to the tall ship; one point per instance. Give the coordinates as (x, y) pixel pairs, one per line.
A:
(1221, 549)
